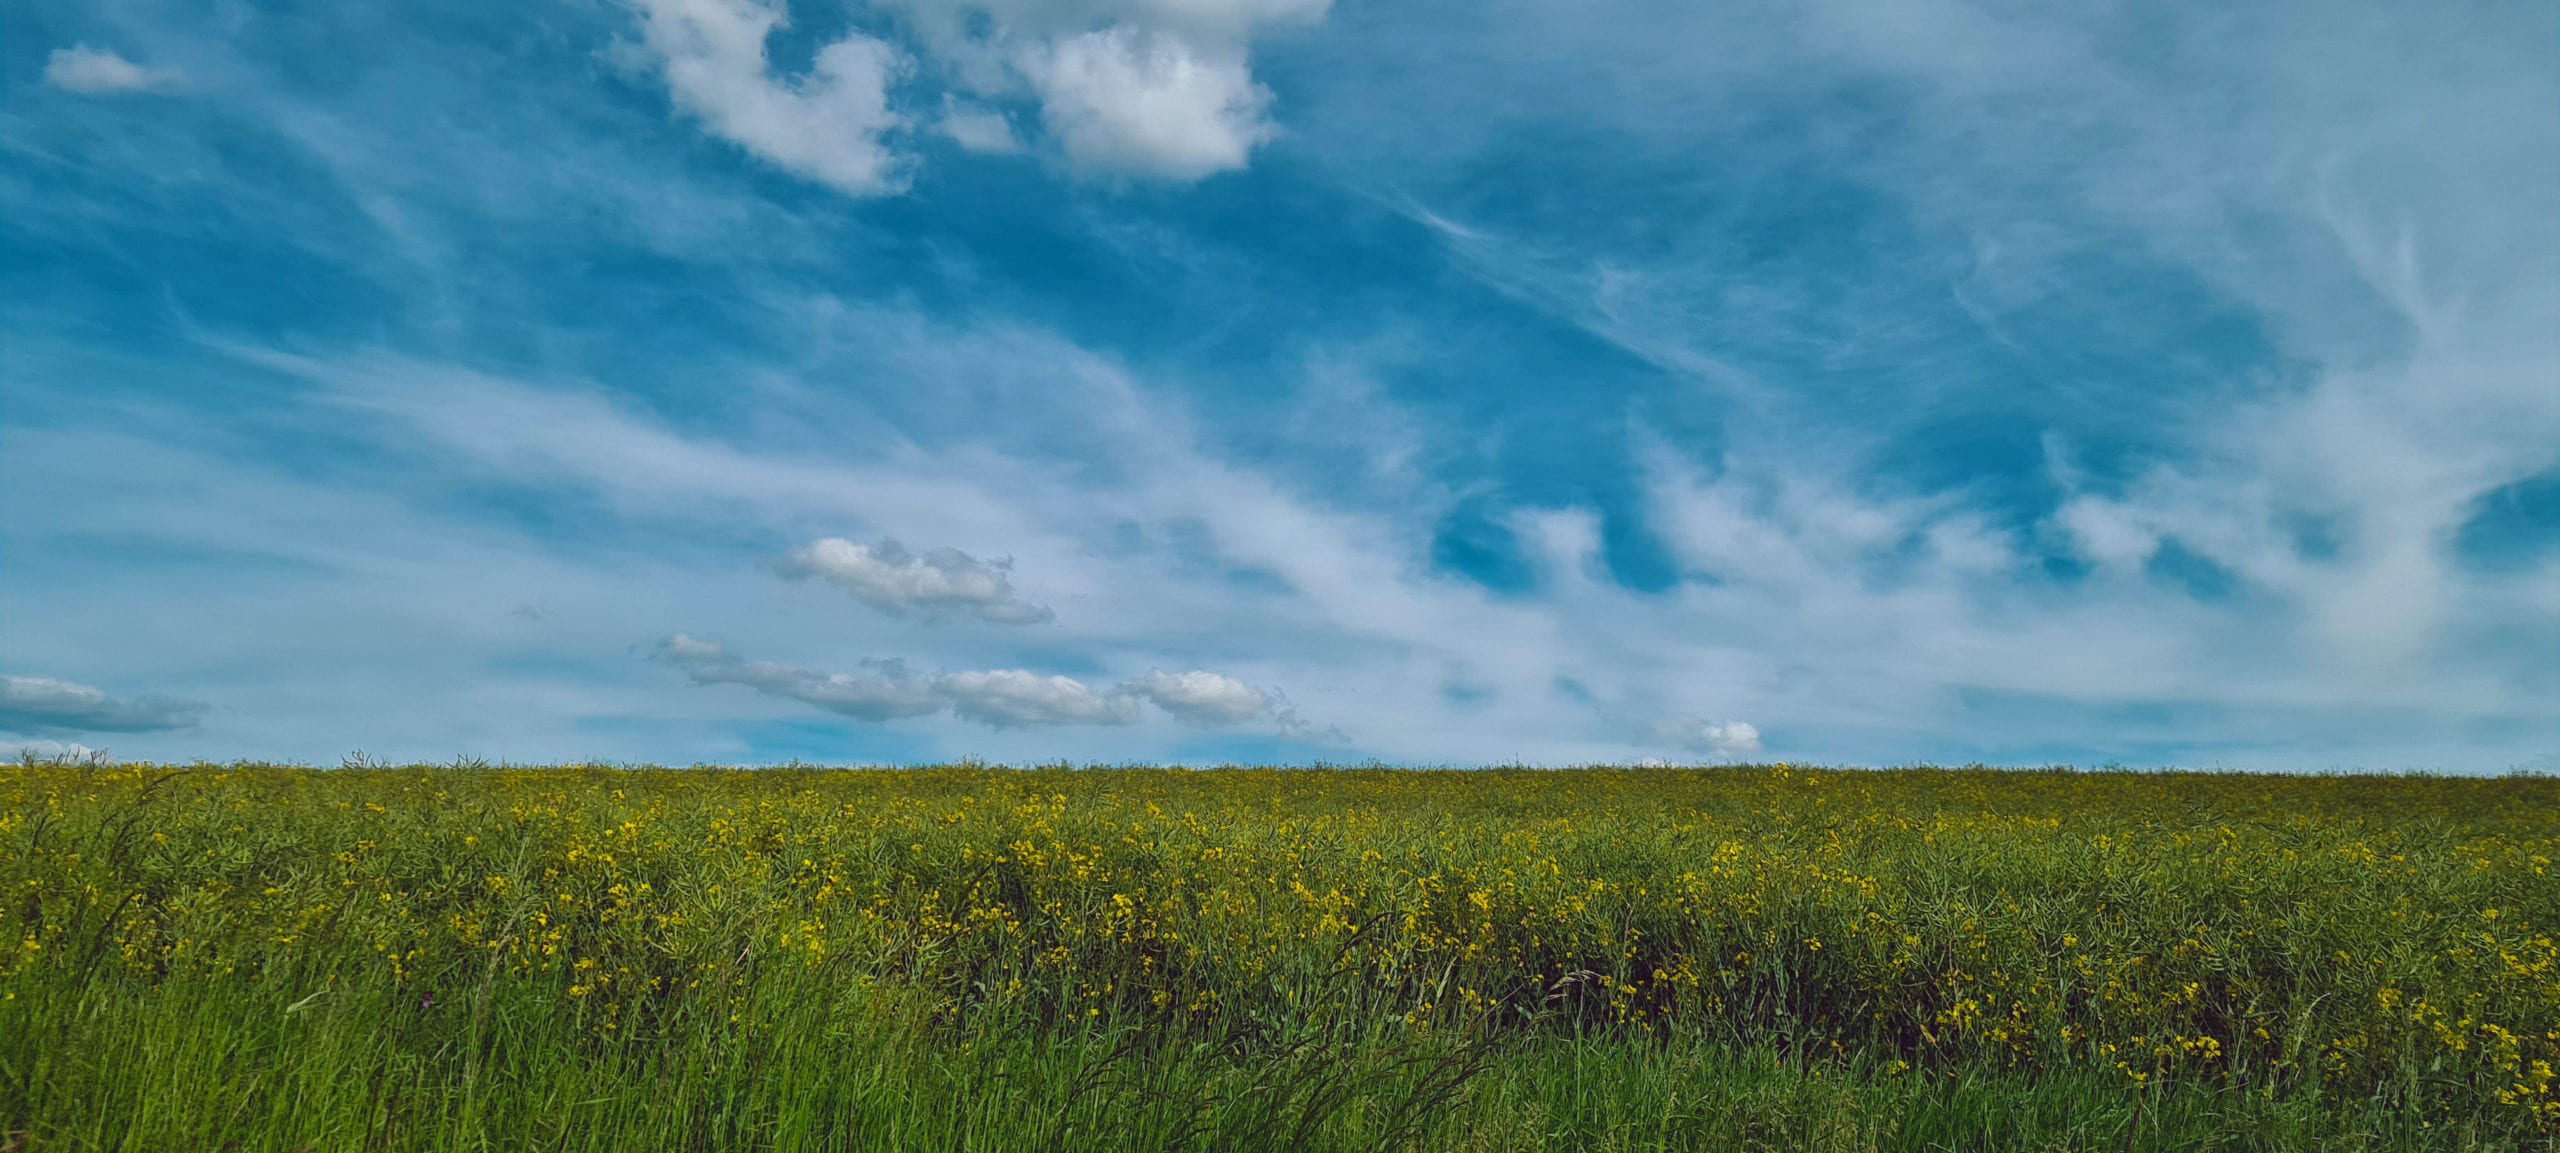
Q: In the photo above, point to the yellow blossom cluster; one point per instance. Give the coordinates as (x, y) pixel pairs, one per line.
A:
(2349, 932)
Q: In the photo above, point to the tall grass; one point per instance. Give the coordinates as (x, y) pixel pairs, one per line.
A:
(964, 958)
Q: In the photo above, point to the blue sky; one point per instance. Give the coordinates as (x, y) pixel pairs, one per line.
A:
(1870, 381)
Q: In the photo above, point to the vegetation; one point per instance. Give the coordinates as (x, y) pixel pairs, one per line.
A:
(969, 958)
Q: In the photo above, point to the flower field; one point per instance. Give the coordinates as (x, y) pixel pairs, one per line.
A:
(971, 958)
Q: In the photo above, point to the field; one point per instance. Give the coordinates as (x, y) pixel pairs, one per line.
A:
(262, 958)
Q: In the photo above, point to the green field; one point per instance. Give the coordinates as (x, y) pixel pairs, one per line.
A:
(260, 958)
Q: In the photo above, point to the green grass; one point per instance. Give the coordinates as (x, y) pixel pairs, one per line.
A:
(259, 958)
(218, 1068)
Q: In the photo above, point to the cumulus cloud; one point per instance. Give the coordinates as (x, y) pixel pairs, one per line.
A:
(1123, 100)
(95, 72)
(997, 698)
(1162, 89)
(1719, 740)
(60, 752)
(882, 692)
(827, 125)
(888, 577)
(1203, 698)
(1126, 88)
(38, 705)
(1010, 698)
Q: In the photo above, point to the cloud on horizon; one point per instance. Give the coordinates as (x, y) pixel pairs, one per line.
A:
(1721, 741)
(997, 698)
(42, 706)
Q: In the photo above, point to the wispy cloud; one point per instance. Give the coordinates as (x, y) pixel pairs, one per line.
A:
(97, 72)
(1805, 604)
(1913, 378)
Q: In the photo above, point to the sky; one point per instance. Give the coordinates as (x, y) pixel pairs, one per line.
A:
(1282, 381)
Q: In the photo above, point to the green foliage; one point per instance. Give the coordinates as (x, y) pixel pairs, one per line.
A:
(973, 958)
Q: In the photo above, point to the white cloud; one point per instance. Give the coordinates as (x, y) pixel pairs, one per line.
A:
(1146, 89)
(827, 125)
(2433, 187)
(59, 752)
(1811, 602)
(977, 127)
(2106, 533)
(1121, 100)
(889, 578)
(95, 72)
(2373, 198)
(997, 698)
(38, 705)
(1202, 697)
(1161, 89)
(884, 692)
(1719, 740)
(1006, 698)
